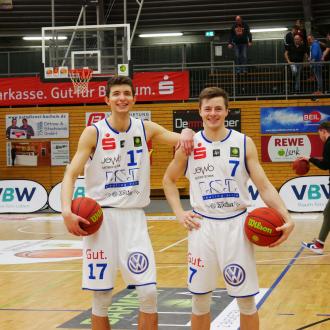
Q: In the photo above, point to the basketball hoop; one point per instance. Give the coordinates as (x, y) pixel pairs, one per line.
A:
(80, 79)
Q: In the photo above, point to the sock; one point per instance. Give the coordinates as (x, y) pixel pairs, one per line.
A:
(319, 244)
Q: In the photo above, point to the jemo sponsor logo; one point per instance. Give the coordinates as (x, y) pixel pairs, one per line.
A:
(21, 196)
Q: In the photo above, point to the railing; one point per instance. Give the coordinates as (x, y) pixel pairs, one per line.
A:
(252, 81)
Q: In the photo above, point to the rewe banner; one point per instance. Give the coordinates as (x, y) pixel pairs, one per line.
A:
(149, 86)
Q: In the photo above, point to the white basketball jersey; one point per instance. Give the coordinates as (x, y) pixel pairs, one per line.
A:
(218, 176)
(118, 174)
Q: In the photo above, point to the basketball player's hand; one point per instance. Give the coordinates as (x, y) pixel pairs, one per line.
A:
(287, 229)
(72, 223)
(187, 140)
(189, 220)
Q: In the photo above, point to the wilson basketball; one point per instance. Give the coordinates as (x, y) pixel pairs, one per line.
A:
(90, 210)
(260, 226)
(300, 166)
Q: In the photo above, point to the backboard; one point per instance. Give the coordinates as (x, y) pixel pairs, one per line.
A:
(102, 48)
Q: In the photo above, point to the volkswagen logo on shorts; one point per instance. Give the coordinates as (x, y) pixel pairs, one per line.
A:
(234, 274)
(137, 262)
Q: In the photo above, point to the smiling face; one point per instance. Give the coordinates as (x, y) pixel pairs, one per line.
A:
(213, 112)
(120, 98)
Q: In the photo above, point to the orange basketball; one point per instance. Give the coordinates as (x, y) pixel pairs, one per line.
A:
(260, 226)
(90, 210)
(300, 166)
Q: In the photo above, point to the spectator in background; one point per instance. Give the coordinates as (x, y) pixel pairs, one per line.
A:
(315, 56)
(326, 53)
(295, 55)
(29, 130)
(289, 37)
(301, 30)
(240, 38)
(12, 126)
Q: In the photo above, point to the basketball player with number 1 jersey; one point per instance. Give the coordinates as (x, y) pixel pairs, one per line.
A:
(218, 170)
(117, 174)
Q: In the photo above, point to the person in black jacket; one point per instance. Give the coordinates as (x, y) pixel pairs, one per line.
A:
(317, 245)
(240, 38)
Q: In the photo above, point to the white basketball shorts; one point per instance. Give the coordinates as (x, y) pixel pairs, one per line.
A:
(122, 242)
(221, 246)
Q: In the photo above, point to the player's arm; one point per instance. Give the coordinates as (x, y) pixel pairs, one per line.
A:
(173, 172)
(85, 148)
(267, 191)
(160, 134)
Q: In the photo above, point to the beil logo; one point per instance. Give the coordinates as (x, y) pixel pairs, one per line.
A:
(166, 86)
(200, 152)
(313, 116)
(95, 117)
(108, 143)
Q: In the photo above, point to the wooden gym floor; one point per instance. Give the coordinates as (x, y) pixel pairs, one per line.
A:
(44, 295)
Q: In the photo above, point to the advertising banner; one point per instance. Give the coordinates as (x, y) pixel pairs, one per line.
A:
(191, 119)
(60, 154)
(94, 117)
(306, 194)
(37, 126)
(149, 86)
(293, 119)
(286, 148)
(28, 153)
(21, 196)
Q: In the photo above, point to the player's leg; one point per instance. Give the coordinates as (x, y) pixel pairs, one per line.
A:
(201, 316)
(148, 317)
(249, 318)
(101, 303)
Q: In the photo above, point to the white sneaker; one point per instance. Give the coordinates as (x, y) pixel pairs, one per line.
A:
(312, 247)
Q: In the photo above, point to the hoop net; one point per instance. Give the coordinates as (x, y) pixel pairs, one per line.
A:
(80, 79)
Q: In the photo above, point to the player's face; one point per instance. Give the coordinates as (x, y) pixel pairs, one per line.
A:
(323, 135)
(121, 98)
(213, 112)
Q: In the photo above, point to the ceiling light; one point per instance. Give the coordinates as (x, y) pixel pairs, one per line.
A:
(46, 38)
(269, 30)
(154, 35)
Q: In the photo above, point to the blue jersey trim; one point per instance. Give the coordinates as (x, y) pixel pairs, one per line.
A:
(97, 289)
(245, 162)
(233, 216)
(97, 139)
(117, 132)
(144, 130)
(209, 141)
(249, 295)
(204, 137)
(227, 137)
(199, 293)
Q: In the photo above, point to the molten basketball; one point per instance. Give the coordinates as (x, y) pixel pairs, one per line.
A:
(300, 166)
(260, 226)
(90, 210)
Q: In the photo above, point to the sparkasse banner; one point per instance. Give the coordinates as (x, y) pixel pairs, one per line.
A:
(149, 86)
(21, 196)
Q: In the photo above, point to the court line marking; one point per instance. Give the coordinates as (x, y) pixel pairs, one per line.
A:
(279, 278)
(22, 230)
(174, 244)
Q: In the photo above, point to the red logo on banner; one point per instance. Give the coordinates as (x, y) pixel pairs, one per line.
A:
(200, 152)
(313, 116)
(108, 143)
(95, 117)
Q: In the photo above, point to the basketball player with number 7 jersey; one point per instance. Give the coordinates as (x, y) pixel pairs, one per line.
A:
(218, 170)
(117, 174)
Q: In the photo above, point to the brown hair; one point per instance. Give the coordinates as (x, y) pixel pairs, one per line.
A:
(119, 80)
(211, 92)
(325, 125)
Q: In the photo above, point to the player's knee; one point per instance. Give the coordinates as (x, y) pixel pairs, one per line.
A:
(247, 305)
(201, 303)
(148, 298)
(101, 303)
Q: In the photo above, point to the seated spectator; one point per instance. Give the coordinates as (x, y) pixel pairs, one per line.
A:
(326, 53)
(315, 56)
(240, 38)
(295, 56)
